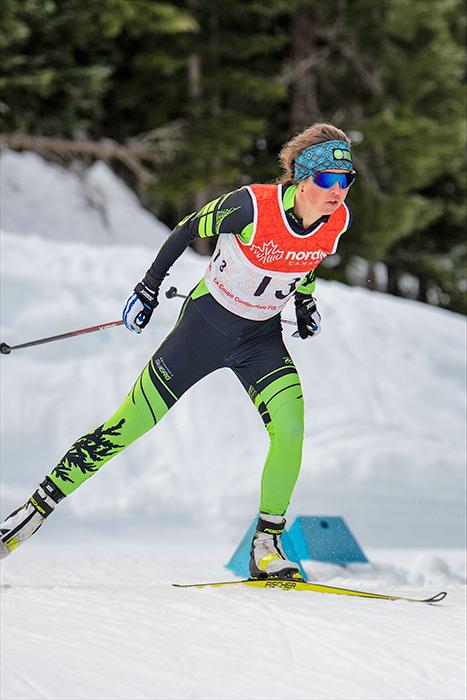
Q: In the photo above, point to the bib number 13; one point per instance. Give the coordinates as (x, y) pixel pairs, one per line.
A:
(263, 285)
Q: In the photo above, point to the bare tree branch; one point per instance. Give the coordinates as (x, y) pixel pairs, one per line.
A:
(294, 71)
(319, 58)
(369, 78)
(154, 147)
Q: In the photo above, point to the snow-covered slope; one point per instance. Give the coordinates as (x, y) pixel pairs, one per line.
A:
(78, 204)
(87, 610)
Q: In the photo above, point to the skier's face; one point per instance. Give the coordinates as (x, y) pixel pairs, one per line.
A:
(325, 200)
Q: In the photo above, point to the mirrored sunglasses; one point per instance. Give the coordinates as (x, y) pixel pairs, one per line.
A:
(326, 180)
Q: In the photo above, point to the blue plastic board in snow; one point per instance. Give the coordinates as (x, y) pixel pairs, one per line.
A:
(325, 538)
(239, 562)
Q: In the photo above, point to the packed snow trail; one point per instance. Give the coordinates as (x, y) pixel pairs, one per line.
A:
(110, 626)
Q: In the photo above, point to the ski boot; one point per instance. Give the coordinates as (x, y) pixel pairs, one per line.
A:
(267, 558)
(24, 521)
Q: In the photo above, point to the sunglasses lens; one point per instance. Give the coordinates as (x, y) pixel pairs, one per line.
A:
(327, 180)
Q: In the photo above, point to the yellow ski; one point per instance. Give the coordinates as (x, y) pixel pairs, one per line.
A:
(287, 585)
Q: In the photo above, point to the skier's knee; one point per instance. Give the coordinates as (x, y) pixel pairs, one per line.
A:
(288, 422)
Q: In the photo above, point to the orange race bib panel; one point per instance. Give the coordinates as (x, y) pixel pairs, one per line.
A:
(256, 279)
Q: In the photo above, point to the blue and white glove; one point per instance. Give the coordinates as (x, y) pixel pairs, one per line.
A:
(308, 316)
(139, 307)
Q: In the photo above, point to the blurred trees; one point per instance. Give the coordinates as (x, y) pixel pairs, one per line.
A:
(216, 89)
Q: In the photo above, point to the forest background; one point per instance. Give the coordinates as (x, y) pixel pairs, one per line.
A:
(190, 99)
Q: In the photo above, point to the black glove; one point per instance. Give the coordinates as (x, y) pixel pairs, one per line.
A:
(139, 307)
(308, 316)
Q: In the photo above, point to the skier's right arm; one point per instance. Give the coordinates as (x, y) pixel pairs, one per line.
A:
(230, 213)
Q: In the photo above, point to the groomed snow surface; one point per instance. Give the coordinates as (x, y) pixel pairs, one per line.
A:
(109, 625)
(87, 606)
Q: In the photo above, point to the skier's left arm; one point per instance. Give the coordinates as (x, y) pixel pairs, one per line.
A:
(230, 213)
(226, 214)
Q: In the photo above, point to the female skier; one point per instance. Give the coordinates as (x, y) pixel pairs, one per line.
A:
(271, 238)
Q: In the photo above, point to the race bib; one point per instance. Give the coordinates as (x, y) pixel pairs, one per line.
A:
(244, 289)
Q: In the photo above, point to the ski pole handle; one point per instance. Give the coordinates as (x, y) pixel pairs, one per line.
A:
(173, 292)
(6, 349)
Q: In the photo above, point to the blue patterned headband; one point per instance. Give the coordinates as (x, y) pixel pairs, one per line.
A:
(323, 156)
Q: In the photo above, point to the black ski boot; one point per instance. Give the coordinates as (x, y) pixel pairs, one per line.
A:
(24, 521)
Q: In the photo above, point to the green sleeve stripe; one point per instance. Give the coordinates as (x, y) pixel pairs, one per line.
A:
(186, 218)
(205, 209)
(202, 226)
(202, 219)
(208, 225)
(219, 220)
(211, 216)
(206, 219)
(224, 197)
(202, 223)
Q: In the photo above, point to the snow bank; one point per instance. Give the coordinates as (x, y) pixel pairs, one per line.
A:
(77, 204)
(388, 567)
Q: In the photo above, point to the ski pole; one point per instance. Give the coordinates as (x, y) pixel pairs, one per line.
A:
(173, 292)
(6, 349)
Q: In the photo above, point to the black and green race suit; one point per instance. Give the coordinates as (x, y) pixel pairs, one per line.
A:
(216, 338)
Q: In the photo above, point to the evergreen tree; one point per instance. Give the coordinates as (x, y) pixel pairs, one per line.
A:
(237, 80)
(228, 94)
(391, 73)
(61, 59)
